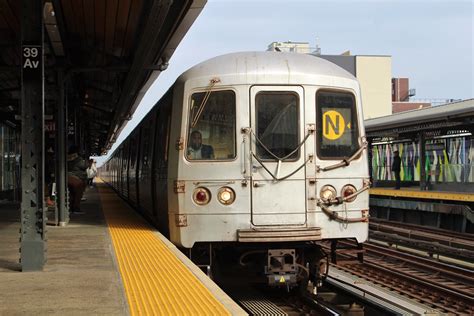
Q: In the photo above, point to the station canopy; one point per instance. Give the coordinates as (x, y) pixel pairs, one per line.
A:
(452, 118)
(108, 52)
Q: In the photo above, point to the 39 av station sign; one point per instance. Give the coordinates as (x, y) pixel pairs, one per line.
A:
(31, 62)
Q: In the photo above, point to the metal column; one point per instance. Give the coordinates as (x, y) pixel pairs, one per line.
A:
(422, 151)
(33, 234)
(369, 154)
(61, 172)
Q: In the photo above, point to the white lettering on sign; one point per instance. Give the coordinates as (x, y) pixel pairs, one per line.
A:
(30, 64)
(30, 54)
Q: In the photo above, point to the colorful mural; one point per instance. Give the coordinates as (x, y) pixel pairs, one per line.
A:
(447, 160)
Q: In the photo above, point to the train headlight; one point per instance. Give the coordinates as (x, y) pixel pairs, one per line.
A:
(327, 193)
(201, 196)
(347, 191)
(226, 195)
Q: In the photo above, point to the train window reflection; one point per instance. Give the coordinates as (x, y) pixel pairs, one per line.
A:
(277, 124)
(211, 132)
(337, 127)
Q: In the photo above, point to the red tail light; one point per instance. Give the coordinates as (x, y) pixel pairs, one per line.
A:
(201, 196)
(347, 191)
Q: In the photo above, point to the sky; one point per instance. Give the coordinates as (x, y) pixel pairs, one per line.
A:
(430, 41)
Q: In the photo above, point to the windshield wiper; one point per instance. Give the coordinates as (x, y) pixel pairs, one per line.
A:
(196, 117)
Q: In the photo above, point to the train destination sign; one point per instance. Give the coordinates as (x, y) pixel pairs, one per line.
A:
(333, 125)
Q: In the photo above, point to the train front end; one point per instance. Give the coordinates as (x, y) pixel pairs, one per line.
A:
(270, 159)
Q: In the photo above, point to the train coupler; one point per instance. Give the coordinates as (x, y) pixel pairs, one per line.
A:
(281, 268)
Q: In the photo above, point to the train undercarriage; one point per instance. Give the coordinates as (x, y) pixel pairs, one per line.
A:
(286, 265)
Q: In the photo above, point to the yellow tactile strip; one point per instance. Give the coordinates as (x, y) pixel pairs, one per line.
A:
(432, 195)
(156, 282)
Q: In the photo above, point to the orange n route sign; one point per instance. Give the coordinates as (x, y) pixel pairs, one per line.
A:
(333, 125)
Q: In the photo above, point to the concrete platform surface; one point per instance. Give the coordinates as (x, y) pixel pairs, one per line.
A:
(80, 276)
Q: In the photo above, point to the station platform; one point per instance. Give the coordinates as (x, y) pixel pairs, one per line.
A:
(108, 261)
(416, 193)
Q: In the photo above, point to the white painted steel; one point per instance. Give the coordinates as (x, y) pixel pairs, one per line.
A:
(285, 203)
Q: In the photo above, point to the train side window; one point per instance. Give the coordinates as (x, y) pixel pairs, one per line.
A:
(277, 124)
(337, 128)
(145, 143)
(211, 132)
(133, 151)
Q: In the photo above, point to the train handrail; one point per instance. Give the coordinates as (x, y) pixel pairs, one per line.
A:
(334, 216)
(339, 199)
(324, 205)
(346, 162)
(247, 158)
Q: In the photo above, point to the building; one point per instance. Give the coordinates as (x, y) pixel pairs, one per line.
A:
(401, 94)
(373, 72)
(293, 47)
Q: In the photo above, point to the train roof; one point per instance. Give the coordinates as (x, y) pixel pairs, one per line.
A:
(251, 67)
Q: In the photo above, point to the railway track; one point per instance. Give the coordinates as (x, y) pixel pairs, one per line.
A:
(437, 232)
(441, 286)
(433, 241)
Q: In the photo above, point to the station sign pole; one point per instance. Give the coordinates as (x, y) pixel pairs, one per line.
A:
(33, 232)
(61, 165)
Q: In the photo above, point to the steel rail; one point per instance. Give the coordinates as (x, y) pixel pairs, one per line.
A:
(466, 242)
(449, 271)
(414, 283)
(409, 286)
(431, 247)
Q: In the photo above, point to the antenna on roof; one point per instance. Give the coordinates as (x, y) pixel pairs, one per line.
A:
(317, 50)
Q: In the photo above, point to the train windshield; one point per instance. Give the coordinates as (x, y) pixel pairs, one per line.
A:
(337, 127)
(277, 125)
(211, 132)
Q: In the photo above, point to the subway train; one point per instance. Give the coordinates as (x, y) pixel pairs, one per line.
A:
(257, 156)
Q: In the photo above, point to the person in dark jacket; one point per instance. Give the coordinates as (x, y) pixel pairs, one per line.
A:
(396, 167)
(197, 150)
(76, 179)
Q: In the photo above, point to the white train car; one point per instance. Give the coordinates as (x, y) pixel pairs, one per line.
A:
(260, 152)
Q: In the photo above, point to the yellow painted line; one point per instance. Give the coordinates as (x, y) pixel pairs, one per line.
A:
(432, 195)
(156, 282)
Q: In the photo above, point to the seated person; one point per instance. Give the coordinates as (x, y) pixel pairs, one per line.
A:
(197, 150)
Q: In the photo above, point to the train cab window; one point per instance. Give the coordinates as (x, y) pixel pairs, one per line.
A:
(337, 128)
(211, 132)
(277, 125)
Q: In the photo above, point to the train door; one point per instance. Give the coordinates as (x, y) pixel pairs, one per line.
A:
(278, 155)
